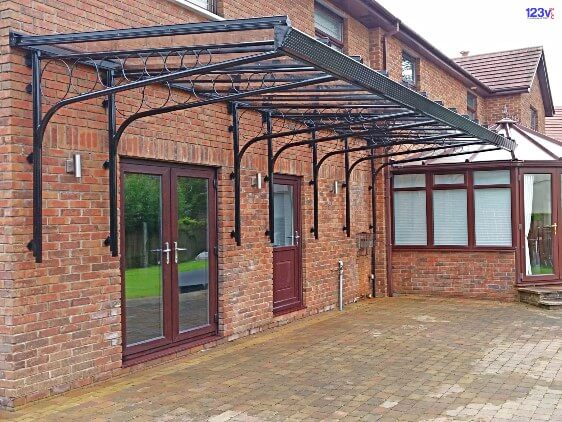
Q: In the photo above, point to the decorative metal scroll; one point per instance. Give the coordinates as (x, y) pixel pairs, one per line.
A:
(307, 94)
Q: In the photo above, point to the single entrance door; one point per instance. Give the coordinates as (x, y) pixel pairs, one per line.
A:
(541, 203)
(168, 260)
(287, 285)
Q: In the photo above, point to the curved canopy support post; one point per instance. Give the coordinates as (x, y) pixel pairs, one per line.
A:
(112, 164)
(347, 227)
(235, 129)
(314, 183)
(270, 183)
(36, 244)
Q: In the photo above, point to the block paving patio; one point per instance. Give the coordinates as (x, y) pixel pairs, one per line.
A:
(416, 359)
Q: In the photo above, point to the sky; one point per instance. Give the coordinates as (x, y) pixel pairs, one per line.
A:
(483, 26)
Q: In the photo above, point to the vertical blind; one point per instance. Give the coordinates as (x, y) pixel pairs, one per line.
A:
(410, 218)
(491, 206)
(450, 217)
(328, 22)
(492, 217)
(491, 177)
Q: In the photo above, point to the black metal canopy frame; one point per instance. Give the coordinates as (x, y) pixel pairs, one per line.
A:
(320, 95)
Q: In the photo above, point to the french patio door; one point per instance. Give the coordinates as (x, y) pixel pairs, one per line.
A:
(540, 222)
(168, 261)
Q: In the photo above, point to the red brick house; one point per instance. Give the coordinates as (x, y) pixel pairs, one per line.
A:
(474, 209)
(553, 125)
(136, 220)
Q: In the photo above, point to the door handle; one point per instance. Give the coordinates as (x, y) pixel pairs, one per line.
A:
(176, 250)
(553, 226)
(167, 251)
(297, 237)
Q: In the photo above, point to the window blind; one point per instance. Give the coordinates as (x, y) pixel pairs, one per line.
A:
(328, 22)
(450, 217)
(449, 179)
(492, 217)
(493, 177)
(410, 218)
(409, 180)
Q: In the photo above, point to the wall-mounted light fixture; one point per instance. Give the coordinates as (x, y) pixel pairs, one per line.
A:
(257, 181)
(336, 187)
(74, 165)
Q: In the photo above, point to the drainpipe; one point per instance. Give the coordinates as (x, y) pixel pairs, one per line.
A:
(385, 44)
(340, 271)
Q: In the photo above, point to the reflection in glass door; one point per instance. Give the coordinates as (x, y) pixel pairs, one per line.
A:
(540, 227)
(143, 256)
(168, 240)
(191, 257)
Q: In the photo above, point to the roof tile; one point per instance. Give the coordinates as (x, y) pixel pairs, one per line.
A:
(514, 69)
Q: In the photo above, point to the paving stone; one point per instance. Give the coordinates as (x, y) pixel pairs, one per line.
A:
(436, 360)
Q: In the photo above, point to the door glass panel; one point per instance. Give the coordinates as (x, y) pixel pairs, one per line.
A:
(284, 234)
(192, 252)
(143, 257)
(538, 221)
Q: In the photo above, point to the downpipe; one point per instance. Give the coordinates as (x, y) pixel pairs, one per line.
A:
(340, 271)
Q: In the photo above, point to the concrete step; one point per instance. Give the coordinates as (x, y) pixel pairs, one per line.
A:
(551, 304)
(549, 297)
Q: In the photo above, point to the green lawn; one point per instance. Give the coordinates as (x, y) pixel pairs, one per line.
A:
(542, 269)
(146, 282)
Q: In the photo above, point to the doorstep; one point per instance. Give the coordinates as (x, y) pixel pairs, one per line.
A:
(549, 297)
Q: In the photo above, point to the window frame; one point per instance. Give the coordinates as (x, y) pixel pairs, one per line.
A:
(534, 120)
(415, 65)
(470, 187)
(427, 209)
(472, 111)
(332, 41)
(212, 5)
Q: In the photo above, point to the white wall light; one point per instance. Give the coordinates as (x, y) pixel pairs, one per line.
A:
(257, 181)
(336, 187)
(74, 165)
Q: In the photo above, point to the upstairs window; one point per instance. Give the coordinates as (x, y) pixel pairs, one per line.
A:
(209, 5)
(329, 26)
(534, 119)
(471, 105)
(409, 69)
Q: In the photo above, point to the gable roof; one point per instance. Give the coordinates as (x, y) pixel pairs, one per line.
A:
(504, 70)
(511, 71)
(553, 125)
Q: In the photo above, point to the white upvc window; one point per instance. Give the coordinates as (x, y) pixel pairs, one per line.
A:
(329, 26)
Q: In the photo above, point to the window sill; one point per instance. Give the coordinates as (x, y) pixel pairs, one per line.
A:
(198, 10)
(468, 249)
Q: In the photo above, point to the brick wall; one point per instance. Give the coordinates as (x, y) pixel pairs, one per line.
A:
(489, 275)
(440, 85)
(60, 321)
(436, 82)
(495, 107)
(534, 99)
